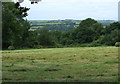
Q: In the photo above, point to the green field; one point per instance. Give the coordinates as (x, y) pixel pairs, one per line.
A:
(93, 64)
(65, 24)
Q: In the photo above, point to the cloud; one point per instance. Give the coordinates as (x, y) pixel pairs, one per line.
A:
(69, 1)
(76, 9)
(76, 1)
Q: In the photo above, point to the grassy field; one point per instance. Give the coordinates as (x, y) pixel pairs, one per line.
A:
(83, 64)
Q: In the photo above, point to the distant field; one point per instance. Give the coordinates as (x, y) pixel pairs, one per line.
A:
(93, 64)
(54, 24)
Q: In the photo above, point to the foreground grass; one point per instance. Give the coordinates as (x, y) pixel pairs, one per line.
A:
(97, 64)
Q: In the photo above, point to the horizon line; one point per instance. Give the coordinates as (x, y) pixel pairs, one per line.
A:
(71, 19)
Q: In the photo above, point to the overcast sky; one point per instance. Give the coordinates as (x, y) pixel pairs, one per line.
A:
(72, 9)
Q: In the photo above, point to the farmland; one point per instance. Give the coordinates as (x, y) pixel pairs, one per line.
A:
(62, 25)
(80, 64)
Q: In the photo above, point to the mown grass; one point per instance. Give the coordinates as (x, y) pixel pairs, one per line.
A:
(83, 64)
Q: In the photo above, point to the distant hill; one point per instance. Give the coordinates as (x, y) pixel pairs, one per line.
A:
(62, 25)
(106, 22)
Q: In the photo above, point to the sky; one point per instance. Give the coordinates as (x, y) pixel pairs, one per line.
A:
(72, 9)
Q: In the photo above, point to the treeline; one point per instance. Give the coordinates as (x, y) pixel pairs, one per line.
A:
(89, 33)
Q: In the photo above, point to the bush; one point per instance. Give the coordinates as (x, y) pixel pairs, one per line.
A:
(38, 46)
(58, 45)
(84, 45)
(117, 44)
(11, 48)
(94, 44)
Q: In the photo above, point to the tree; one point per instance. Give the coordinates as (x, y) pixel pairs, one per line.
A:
(44, 37)
(86, 31)
(14, 26)
(112, 34)
(56, 36)
(97, 30)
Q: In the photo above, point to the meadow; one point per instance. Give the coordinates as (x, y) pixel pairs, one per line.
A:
(80, 64)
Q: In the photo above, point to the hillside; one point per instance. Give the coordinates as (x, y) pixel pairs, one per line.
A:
(62, 25)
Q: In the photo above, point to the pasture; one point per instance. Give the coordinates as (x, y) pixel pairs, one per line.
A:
(82, 64)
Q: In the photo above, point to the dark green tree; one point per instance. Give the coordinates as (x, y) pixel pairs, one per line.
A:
(112, 34)
(44, 37)
(14, 27)
(86, 31)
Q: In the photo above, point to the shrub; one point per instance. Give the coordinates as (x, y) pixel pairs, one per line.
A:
(11, 48)
(84, 45)
(94, 44)
(58, 45)
(117, 44)
(38, 46)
